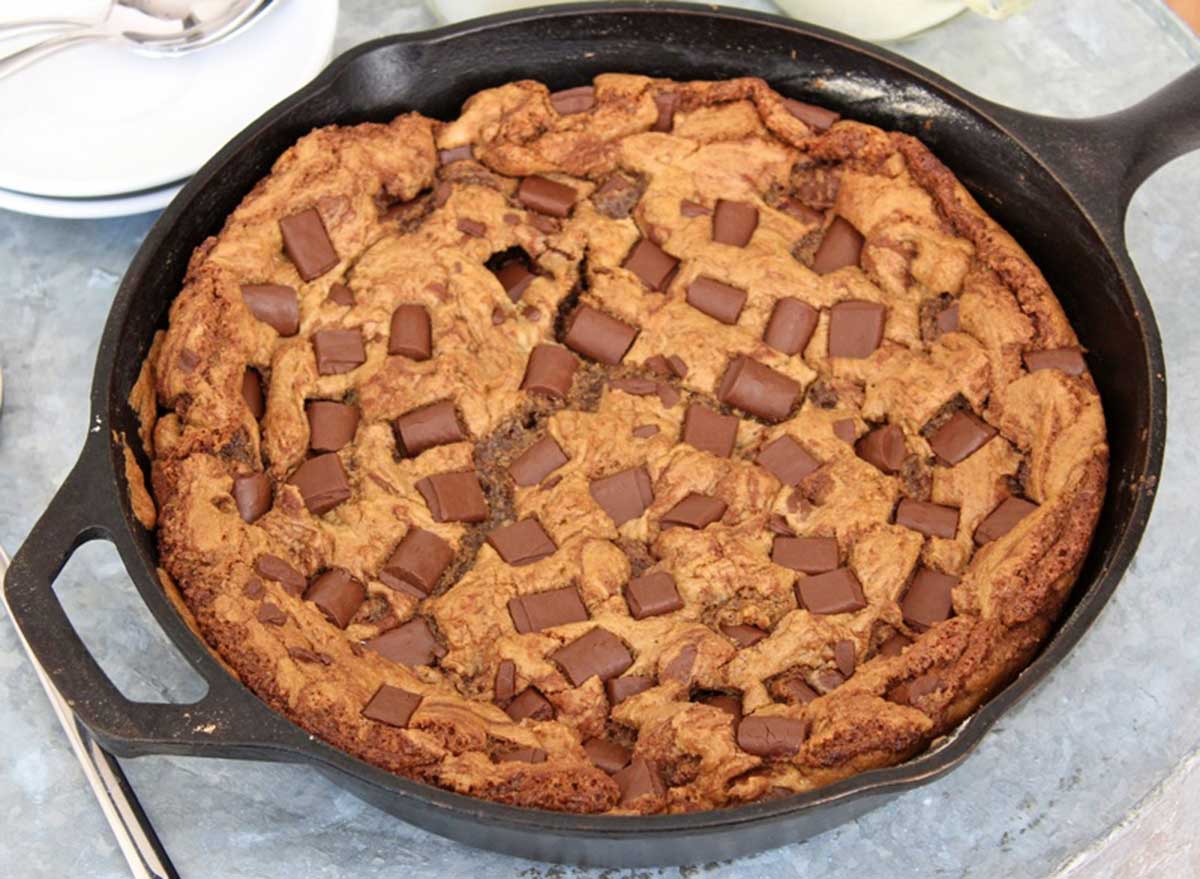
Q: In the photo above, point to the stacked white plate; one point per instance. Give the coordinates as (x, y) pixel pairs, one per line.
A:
(98, 131)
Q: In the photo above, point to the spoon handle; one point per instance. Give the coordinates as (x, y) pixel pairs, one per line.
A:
(19, 60)
(10, 29)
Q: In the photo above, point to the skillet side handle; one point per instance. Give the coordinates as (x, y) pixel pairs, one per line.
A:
(76, 516)
(1106, 158)
(1162, 127)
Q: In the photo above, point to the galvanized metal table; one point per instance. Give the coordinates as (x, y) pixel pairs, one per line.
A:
(1071, 784)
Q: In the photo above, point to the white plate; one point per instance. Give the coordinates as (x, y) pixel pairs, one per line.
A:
(102, 121)
(89, 208)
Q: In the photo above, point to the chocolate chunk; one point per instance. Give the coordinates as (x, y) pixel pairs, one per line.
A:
(734, 222)
(522, 543)
(418, 560)
(715, 299)
(743, 635)
(271, 614)
(411, 334)
(809, 555)
(791, 325)
(695, 511)
(679, 667)
(667, 104)
(816, 118)
(667, 395)
(840, 247)
(254, 588)
(576, 100)
(826, 680)
(531, 313)
(337, 595)
(639, 779)
(599, 336)
(758, 389)
(918, 688)
(410, 644)
(473, 228)
(521, 755)
(455, 154)
(894, 645)
(1068, 360)
(645, 431)
(322, 482)
(340, 294)
(928, 599)
(855, 328)
(544, 610)
(999, 521)
(845, 430)
(960, 437)
(606, 755)
(428, 426)
(786, 460)
(514, 277)
(530, 704)
(653, 265)
(599, 653)
(330, 425)
(837, 591)
(392, 705)
(252, 494)
(505, 686)
(792, 689)
(537, 462)
(616, 197)
(620, 689)
(497, 316)
(844, 655)
(338, 351)
(271, 567)
(546, 196)
(947, 319)
(639, 387)
(730, 704)
(307, 244)
(771, 736)
(549, 371)
(710, 431)
(884, 447)
(658, 365)
(275, 305)
(691, 209)
(652, 595)
(252, 392)
(625, 495)
(933, 520)
(454, 496)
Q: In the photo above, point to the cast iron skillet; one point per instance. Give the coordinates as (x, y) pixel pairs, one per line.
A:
(1060, 186)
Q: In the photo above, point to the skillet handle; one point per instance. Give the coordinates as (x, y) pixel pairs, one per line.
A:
(219, 723)
(1106, 158)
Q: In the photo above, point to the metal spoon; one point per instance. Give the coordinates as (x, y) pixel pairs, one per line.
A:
(149, 27)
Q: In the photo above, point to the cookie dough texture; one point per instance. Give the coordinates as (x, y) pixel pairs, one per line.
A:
(410, 229)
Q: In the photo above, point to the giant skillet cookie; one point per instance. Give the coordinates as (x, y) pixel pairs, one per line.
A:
(640, 447)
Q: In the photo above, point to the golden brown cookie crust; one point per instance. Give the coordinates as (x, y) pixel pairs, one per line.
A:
(409, 229)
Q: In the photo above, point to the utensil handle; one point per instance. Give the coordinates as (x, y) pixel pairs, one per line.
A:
(218, 723)
(1106, 158)
(12, 29)
(21, 59)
